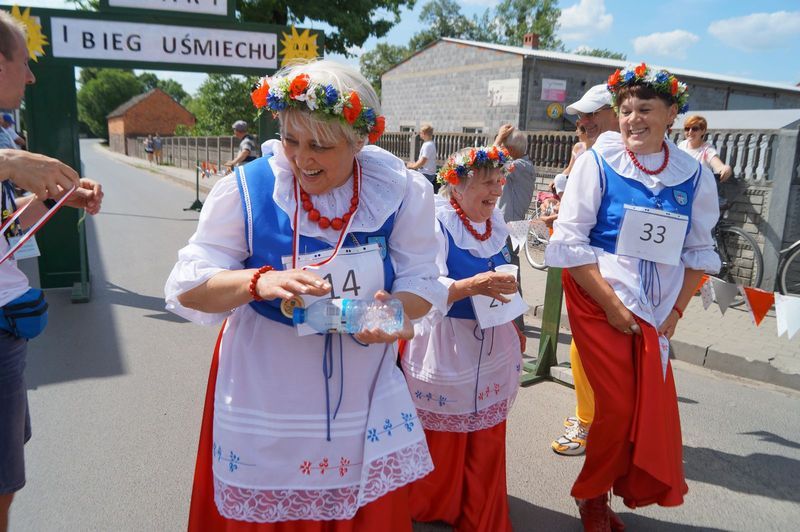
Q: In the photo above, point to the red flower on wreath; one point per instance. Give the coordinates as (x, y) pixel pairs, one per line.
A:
(493, 154)
(613, 79)
(298, 86)
(377, 130)
(673, 85)
(452, 177)
(352, 110)
(640, 70)
(259, 95)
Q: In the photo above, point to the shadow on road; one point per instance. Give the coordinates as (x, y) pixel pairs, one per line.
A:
(118, 295)
(634, 521)
(768, 475)
(773, 438)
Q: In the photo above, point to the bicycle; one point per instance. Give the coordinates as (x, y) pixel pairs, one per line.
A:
(741, 258)
(789, 270)
(538, 231)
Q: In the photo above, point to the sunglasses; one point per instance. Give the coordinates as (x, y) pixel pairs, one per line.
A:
(693, 128)
(581, 116)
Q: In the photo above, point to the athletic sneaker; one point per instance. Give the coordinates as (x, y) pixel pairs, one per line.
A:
(570, 421)
(573, 442)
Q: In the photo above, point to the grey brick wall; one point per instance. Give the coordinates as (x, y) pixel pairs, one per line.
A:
(447, 85)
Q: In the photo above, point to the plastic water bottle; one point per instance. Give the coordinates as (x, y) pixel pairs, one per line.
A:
(351, 315)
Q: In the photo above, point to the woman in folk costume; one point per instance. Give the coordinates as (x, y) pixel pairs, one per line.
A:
(634, 237)
(303, 431)
(463, 378)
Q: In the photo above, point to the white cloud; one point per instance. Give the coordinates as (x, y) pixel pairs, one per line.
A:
(758, 31)
(584, 20)
(674, 44)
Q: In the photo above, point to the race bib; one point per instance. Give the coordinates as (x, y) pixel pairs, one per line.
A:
(355, 273)
(491, 312)
(652, 234)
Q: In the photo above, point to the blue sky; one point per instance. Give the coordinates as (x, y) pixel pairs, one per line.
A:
(755, 40)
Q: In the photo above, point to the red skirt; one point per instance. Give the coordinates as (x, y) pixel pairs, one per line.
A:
(634, 444)
(467, 488)
(389, 513)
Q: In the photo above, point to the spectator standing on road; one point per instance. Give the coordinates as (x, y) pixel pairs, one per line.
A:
(47, 179)
(518, 189)
(426, 163)
(7, 122)
(247, 146)
(694, 129)
(148, 148)
(634, 238)
(595, 116)
(158, 148)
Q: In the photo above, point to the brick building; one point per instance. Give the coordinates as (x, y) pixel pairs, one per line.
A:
(152, 112)
(474, 87)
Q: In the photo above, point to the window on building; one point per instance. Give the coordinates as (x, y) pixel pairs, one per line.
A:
(406, 129)
(472, 129)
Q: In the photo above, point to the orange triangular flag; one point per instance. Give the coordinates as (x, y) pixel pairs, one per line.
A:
(703, 280)
(760, 301)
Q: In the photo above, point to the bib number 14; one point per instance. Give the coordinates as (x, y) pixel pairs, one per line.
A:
(350, 287)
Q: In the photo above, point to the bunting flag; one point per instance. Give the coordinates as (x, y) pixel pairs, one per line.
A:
(701, 284)
(725, 293)
(706, 293)
(758, 301)
(518, 231)
(787, 314)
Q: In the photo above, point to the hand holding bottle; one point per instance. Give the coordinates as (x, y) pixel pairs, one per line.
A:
(378, 336)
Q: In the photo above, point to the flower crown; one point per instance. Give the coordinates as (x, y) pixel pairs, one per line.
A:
(464, 165)
(661, 81)
(277, 94)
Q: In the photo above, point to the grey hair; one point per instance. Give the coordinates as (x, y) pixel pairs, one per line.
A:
(9, 26)
(518, 142)
(344, 79)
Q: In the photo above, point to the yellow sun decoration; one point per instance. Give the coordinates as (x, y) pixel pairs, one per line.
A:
(298, 46)
(36, 39)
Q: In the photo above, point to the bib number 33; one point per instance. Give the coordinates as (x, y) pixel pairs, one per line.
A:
(652, 234)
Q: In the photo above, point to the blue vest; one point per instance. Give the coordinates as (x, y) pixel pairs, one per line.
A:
(272, 232)
(619, 191)
(461, 264)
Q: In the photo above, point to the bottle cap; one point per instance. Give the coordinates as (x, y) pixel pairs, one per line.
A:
(298, 316)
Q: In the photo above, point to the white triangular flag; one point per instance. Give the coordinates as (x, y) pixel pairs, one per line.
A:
(725, 293)
(707, 294)
(518, 231)
(787, 311)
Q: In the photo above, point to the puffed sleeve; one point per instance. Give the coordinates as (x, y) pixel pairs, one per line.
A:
(413, 246)
(436, 314)
(698, 248)
(577, 215)
(218, 244)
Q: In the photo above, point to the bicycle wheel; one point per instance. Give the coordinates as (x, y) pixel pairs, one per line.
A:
(536, 243)
(789, 274)
(742, 262)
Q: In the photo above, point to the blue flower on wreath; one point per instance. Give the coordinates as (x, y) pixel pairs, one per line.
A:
(372, 435)
(275, 103)
(662, 77)
(369, 116)
(387, 426)
(481, 157)
(461, 170)
(408, 421)
(684, 108)
(629, 76)
(331, 95)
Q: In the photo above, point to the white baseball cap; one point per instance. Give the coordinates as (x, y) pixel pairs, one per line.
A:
(595, 98)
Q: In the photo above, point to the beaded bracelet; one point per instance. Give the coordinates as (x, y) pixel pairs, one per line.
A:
(254, 281)
(678, 311)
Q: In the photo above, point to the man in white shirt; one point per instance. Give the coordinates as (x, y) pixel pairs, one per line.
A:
(426, 164)
(47, 179)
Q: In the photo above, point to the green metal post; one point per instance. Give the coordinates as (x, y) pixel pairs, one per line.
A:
(51, 118)
(548, 340)
(197, 205)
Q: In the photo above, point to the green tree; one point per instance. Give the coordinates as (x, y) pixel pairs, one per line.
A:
(445, 19)
(515, 18)
(601, 52)
(220, 101)
(380, 59)
(103, 93)
(170, 86)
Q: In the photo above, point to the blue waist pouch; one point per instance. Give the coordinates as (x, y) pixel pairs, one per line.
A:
(25, 316)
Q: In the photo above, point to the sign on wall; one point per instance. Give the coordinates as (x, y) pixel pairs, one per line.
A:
(187, 7)
(126, 41)
(503, 92)
(554, 90)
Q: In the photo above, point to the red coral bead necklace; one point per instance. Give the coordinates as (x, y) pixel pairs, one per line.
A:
(647, 171)
(340, 221)
(468, 224)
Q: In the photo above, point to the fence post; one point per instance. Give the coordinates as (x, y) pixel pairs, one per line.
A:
(783, 175)
(412, 147)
